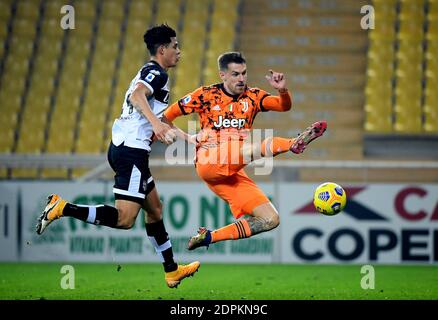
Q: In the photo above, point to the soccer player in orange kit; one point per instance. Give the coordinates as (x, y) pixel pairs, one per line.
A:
(226, 113)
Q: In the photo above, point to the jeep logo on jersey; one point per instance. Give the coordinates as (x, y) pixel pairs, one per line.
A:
(226, 123)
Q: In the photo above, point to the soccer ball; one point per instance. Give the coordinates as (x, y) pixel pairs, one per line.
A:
(329, 198)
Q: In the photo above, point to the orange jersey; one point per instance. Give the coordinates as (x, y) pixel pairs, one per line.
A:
(222, 114)
(226, 118)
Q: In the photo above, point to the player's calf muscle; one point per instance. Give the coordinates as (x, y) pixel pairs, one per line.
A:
(262, 224)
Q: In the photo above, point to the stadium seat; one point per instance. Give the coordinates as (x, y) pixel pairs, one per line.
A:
(60, 141)
(20, 48)
(52, 8)
(30, 141)
(28, 9)
(7, 140)
(141, 10)
(113, 10)
(24, 173)
(408, 124)
(433, 6)
(85, 9)
(3, 173)
(168, 11)
(5, 10)
(84, 28)
(50, 28)
(38, 102)
(57, 173)
(109, 30)
(24, 28)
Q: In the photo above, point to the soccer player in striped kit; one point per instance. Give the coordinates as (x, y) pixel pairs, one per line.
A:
(132, 134)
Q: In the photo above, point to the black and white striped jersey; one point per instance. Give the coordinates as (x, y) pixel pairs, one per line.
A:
(131, 127)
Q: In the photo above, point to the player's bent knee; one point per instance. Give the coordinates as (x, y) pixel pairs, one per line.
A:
(276, 220)
(273, 221)
(126, 219)
(126, 224)
(155, 213)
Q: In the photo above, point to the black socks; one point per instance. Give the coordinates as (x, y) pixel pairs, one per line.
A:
(157, 234)
(99, 215)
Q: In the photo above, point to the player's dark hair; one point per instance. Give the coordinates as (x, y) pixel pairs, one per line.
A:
(157, 36)
(230, 57)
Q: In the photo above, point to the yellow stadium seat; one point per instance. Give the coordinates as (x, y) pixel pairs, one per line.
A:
(408, 90)
(5, 10)
(78, 55)
(85, 9)
(60, 142)
(63, 122)
(4, 173)
(7, 140)
(37, 102)
(30, 142)
(53, 8)
(410, 37)
(83, 27)
(412, 72)
(20, 48)
(378, 123)
(2, 49)
(110, 30)
(431, 118)
(410, 51)
(113, 9)
(42, 85)
(433, 6)
(141, 10)
(106, 53)
(49, 46)
(86, 144)
(68, 99)
(8, 120)
(408, 124)
(54, 173)
(24, 173)
(9, 102)
(79, 172)
(168, 12)
(32, 120)
(45, 66)
(24, 28)
(13, 86)
(16, 66)
(407, 6)
(51, 28)
(28, 9)
(135, 29)
(3, 31)
(412, 27)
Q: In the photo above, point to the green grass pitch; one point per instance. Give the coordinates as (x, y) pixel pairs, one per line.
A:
(33, 281)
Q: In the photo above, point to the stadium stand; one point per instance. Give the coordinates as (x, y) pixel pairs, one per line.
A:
(400, 69)
(323, 43)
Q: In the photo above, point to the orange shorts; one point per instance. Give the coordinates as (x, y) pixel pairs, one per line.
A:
(230, 183)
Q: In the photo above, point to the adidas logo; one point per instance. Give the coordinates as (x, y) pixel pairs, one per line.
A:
(216, 108)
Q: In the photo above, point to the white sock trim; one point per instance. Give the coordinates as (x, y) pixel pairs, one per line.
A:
(91, 215)
(161, 248)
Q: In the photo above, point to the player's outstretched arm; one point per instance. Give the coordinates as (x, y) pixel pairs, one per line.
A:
(282, 102)
(179, 132)
(162, 131)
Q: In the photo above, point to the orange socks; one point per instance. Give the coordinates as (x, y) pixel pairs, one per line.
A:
(276, 145)
(233, 231)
